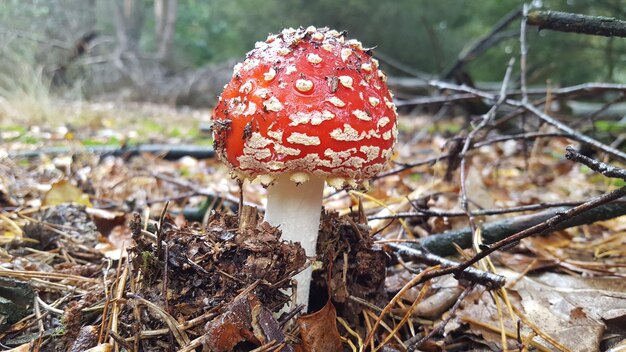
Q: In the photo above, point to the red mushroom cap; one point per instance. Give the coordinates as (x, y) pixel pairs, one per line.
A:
(306, 101)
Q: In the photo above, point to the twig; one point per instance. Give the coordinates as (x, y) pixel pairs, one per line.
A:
(595, 165)
(484, 278)
(592, 115)
(576, 90)
(487, 118)
(435, 100)
(388, 307)
(179, 334)
(523, 54)
(415, 342)
(577, 23)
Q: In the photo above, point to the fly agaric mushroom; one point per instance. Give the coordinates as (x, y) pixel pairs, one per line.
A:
(306, 106)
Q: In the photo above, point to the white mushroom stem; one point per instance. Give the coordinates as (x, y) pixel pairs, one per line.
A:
(296, 209)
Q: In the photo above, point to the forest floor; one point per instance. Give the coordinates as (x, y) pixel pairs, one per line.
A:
(137, 252)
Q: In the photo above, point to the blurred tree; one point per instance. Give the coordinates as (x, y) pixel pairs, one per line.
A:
(170, 37)
(165, 13)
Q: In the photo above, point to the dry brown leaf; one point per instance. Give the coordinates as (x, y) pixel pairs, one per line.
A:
(245, 319)
(571, 310)
(233, 326)
(23, 348)
(319, 330)
(105, 347)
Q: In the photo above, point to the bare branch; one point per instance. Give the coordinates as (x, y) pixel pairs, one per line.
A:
(576, 23)
(484, 278)
(442, 243)
(168, 151)
(426, 213)
(618, 154)
(499, 139)
(595, 165)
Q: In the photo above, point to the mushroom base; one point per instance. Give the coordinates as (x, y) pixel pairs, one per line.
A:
(295, 210)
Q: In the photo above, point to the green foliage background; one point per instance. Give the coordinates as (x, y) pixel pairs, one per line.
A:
(425, 35)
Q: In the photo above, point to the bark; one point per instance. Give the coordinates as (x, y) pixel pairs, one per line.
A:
(442, 244)
(572, 22)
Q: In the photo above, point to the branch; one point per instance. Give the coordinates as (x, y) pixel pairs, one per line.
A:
(531, 135)
(595, 165)
(618, 154)
(484, 278)
(487, 118)
(576, 23)
(443, 243)
(597, 209)
(168, 151)
(427, 213)
(550, 224)
(576, 90)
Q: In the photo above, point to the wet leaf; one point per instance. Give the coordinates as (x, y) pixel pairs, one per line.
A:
(319, 330)
(227, 330)
(246, 319)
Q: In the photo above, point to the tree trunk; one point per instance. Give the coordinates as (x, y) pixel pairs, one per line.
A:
(128, 17)
(166, 26)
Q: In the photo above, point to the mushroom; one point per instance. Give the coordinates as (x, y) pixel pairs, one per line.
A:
(306, 106)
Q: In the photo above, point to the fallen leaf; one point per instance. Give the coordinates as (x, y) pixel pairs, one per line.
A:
(229, 328)
(105, 347)
(246, 319)
(63, 192)
(23, 348)
(319, 330)
(570, 309)
(106, 220)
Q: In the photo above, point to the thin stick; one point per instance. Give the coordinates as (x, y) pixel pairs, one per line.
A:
(415, 342)
(499, 139)
(487, 118)
(406, 316)
(523, 53)
(417, 279)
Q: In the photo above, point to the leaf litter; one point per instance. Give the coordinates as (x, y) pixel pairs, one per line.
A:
(99, 264)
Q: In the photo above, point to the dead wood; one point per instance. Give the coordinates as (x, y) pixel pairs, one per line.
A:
(577, 23)
(442, 244)
(484, 278)
(167, 151)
